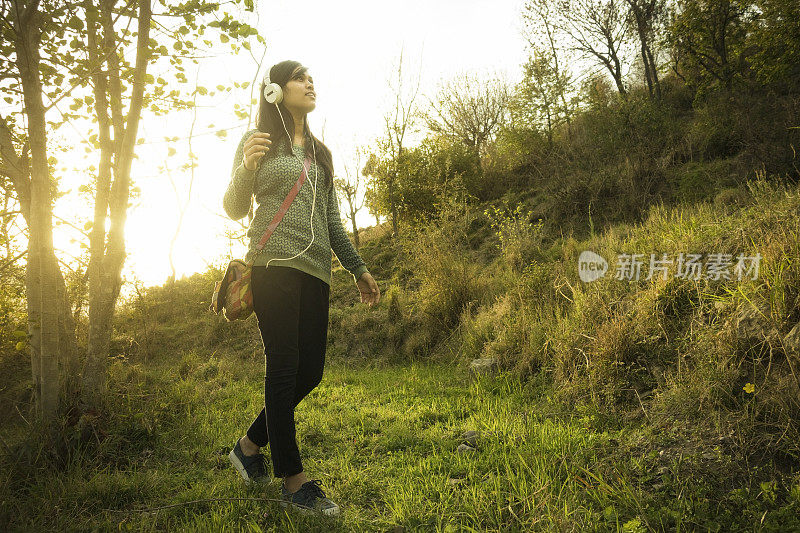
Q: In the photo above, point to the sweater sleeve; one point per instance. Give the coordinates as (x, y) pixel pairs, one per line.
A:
(340, 243)
(237, 199)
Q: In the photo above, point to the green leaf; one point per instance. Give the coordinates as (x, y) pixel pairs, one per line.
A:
(75, 23)
(223, 37)
(20, 345)
(19, 333)
(633, 526)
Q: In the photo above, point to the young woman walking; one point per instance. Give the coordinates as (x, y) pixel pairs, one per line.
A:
(291, 274)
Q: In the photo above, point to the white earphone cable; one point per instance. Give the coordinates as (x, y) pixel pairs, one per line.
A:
(313, 184)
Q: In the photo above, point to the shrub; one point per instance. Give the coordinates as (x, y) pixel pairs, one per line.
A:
(518, 239)
(446, 276)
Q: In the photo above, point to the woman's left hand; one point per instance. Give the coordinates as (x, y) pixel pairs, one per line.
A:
(370, 293)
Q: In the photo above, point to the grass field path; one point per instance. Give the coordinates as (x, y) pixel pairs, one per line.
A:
(383, 438)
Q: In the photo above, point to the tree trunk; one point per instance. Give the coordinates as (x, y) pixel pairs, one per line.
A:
(355, 228)
(94, 370)
(33, 297)
(393, 206)
(561, 88)
(40, 276)
(105, 268)
(616, 73)
(68, 343)
(644, 20)
(18, 170)
(646, 65)
(654, 73)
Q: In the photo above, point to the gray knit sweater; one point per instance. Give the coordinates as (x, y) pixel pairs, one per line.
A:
(270, 183)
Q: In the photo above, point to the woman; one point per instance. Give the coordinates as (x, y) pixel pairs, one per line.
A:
(291, 274)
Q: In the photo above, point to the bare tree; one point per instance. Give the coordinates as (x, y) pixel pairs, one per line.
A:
(351, 187)
(646, 18)
(469, 108)
(598, 29)
(543, 33)
(399, 121)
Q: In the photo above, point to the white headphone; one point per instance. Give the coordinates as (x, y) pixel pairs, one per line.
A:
(272, 91)
(273, 94)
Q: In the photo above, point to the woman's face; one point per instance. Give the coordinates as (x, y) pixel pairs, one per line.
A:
(298, 94)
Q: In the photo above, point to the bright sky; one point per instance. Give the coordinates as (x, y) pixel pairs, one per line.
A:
(350, 48)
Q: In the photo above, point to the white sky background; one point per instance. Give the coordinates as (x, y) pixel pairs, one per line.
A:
(350, 48)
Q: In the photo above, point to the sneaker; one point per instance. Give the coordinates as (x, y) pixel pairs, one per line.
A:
(309, 499)
(253, 468)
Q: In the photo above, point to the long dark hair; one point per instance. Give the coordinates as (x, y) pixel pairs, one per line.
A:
(269, 121)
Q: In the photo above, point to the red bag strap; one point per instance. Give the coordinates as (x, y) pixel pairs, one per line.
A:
(285, 205)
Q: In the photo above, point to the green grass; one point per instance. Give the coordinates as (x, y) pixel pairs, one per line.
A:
(619, 407)
(383, 439)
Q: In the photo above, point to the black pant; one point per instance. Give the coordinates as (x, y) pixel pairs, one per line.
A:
(292, 311)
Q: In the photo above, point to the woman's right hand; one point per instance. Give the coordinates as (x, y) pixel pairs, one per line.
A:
(254, 149)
